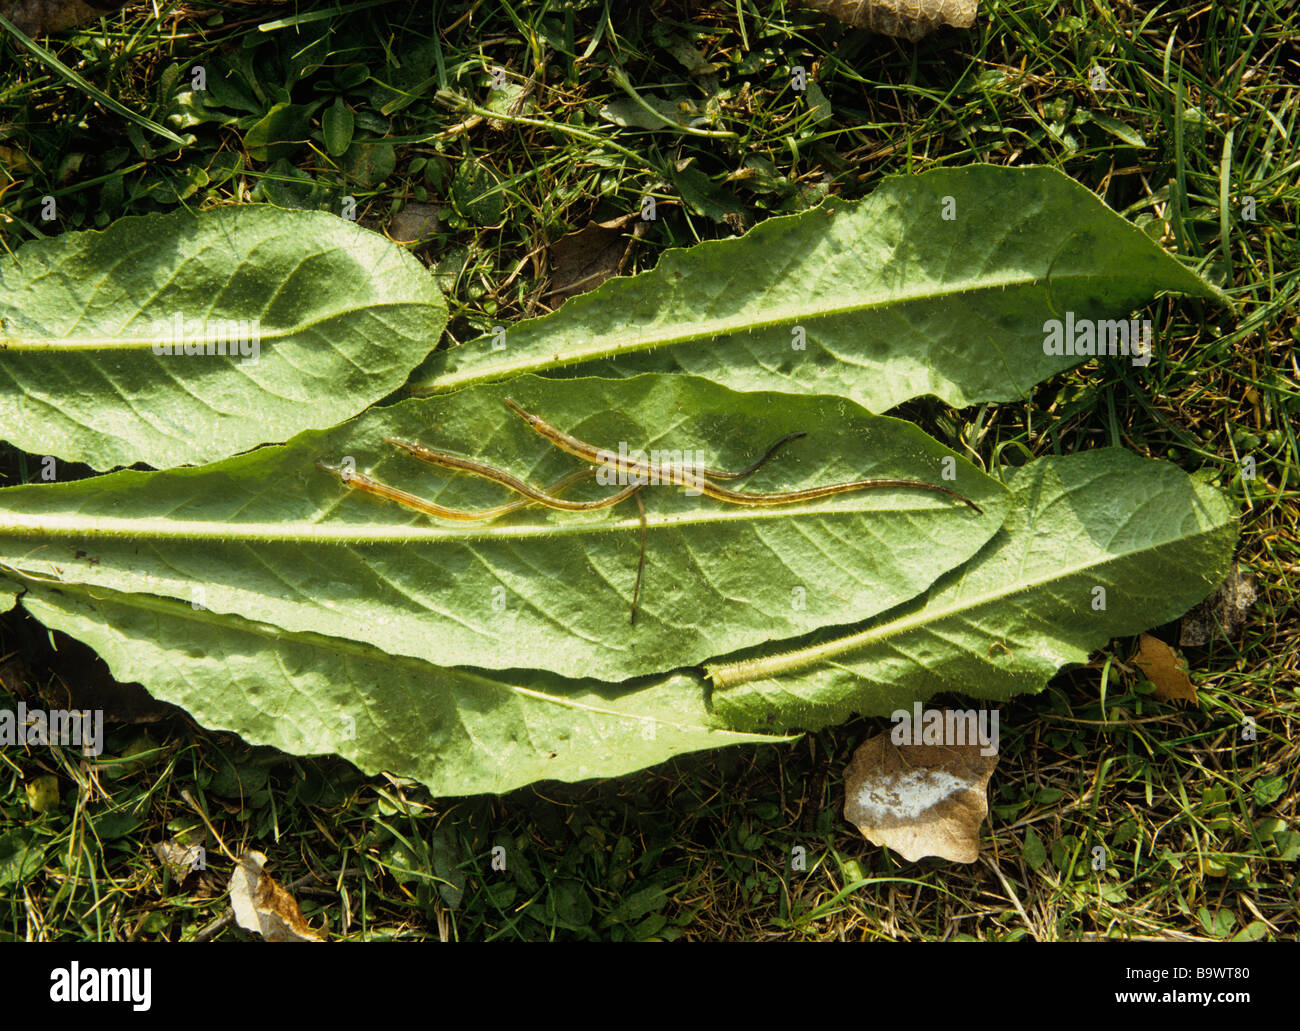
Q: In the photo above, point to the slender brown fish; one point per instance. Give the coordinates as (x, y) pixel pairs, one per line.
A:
(684, 477)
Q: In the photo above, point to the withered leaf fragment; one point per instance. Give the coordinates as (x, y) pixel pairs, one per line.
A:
(584, 259)
(44, 17)
(179, 858)
(1222, 614)
(262, 905)
(905, 19)
(1161, 665)
(919, 800)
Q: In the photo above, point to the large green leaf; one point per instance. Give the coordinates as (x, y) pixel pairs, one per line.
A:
(1138, 538)
(893, 298)
(459, 732)
(269, 537)
(343, 316)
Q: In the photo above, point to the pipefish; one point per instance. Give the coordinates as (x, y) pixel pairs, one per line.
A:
(530, 495)
(640, 472)
(683, 476)
(469, 465)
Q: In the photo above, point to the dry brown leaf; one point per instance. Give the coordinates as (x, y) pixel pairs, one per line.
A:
(41, 17)
(179, 858)
(415, 223)
(905, 19)
(1160, 664)
(1223, 613)
(262, 905)
(919, 800)
(585, 259)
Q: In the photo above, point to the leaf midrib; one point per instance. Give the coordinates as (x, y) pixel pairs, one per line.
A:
(53, 345)
(92, 526)
(613, 345)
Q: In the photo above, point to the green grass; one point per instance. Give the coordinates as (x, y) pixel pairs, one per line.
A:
(1200, 827)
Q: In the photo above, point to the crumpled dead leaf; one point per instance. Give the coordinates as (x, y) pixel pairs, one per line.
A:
(262, 905)
(1223, 613)
(1161, 665)
(585, 259)
(905, 19)
(416, 223)
(42, 17)
(180, 858)
(919, 800)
